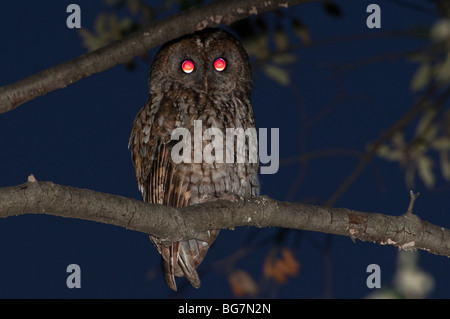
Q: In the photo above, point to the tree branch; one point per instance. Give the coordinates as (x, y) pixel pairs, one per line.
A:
(406, 231)
(61, 75)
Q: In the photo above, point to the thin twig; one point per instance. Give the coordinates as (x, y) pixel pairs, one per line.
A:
(413, 197)
(138, 43)
(420, 106)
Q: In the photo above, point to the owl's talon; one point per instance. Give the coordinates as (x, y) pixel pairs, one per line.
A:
(232, 197)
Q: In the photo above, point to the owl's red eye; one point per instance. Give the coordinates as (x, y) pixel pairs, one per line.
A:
(220, 64)
(187, 66)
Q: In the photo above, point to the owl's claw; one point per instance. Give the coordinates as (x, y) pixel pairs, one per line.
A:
(231, 197)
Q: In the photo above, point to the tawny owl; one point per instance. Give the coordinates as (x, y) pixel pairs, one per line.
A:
(199, 83)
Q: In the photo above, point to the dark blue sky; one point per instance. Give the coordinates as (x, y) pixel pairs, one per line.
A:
(78, 136)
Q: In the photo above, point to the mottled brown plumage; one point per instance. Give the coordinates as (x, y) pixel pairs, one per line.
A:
(219, 99)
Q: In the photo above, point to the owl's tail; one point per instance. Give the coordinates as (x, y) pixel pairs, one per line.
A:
(178, 261)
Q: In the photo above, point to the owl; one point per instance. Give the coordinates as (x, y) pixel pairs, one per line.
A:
(199, 83)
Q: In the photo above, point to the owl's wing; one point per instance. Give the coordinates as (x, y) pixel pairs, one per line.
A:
(163, 182)
(167, 185)
(150, 143)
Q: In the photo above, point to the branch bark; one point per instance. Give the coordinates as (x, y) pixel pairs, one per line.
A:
(61, 75)
(407, 231)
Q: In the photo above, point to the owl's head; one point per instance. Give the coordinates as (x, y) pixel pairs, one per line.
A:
(209, 61)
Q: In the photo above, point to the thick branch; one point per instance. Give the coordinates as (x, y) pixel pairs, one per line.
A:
(407, 231)
(138, 43)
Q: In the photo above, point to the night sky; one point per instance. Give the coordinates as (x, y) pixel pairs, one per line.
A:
(78, 136)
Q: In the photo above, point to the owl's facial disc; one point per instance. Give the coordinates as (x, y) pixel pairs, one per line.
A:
(207, 63)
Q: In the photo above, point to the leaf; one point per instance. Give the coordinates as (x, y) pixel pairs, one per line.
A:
(410, 280)
(107, 28)
(441, 30)
(399, 140)
(301, 31)
(425, 128)
(424, 168)
(445, 164)
(257, 45)
(99, 24)
(112, 27)
(441, 143)
(284, 58)
(242, 284)
(125, 25)
(281, 39)
(289, 263)
(422, 77)
(389, 154)
(277, 74)
(443, 71)
(90, 42)
(395, 152)
(279, 269)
